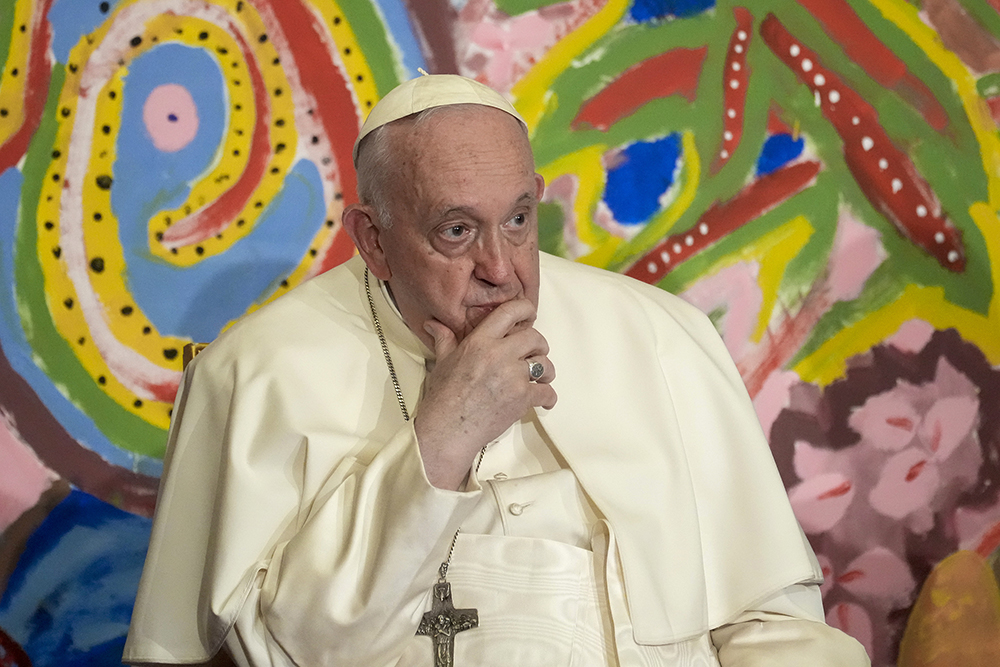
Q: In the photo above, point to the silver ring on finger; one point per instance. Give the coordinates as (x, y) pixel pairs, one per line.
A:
(535, 370)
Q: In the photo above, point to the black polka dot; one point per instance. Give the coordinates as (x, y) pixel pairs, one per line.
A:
(81, 340)
(170, 353)
(200, 250)
(336, 20)
(262, 38)
(56, 155)
(240, 222)
(57, 251)
(126, 310)
(102, 380)
(103, 182)
(68, 302)
(72, 68)
(49, 224)
(98, 217)
(312, 252)
(97, 264)
(135, 41)
(278, 92)
(280, 122)
(104, 7)
(106, 129)
(159, 236)
(279, 148)
(137, 403)
(315, 139)
(147, 330)
(65, 112)
(3, 113)
(329, 223)
(284, 283)
(202, 35)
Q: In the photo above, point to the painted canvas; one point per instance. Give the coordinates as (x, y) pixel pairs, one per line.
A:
(822, 177)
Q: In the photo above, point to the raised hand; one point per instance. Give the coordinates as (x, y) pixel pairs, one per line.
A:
(478, 388)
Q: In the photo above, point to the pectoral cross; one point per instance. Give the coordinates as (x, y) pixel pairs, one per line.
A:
(443, 622)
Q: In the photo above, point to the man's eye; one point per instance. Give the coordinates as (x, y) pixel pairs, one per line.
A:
(519, 219)
(454, 232)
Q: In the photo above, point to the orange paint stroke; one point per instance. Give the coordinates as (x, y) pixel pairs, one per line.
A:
(670, 73)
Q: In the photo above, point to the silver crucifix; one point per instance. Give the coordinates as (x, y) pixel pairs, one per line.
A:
(443, 622)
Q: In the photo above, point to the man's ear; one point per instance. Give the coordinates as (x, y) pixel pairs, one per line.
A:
(359, 222)
(539, 187)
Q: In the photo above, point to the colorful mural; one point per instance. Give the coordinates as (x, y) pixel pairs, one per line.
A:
(822, 177)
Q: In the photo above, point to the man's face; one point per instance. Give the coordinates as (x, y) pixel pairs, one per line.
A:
(464, 232)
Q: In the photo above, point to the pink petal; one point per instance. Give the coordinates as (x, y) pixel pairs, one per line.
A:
(854, 620)
(947, 424)
(887, 421)
(908, 481)
(879, 574)
(811, 461)
(821, 501)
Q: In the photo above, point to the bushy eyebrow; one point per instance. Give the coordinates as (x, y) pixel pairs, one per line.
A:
(526, 199)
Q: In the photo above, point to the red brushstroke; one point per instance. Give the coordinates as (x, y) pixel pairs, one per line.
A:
(836, 491)
(862, 46)
(735, 81)
(994, 104)
(721, 219)
(884, 173)
(848, 577)
(36, 88)
(774, 123)
(989, 542)
(220, 213)
(900, 422)
(673, 72)
(915, 470)
(324, 81)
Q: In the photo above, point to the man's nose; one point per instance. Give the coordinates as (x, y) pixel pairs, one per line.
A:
(493, 263)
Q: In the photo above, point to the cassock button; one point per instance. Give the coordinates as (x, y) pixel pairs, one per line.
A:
(515, 509)
(500, 476)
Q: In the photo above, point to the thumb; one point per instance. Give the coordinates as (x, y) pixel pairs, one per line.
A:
(444, 339)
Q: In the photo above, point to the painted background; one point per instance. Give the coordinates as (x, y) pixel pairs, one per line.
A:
(821, 176)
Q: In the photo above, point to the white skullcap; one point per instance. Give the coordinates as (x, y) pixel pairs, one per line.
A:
(426, 92)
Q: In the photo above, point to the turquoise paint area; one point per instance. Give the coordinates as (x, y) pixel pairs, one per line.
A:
(70, 598)
(197, 302)
(401, 35)
(645, 172)
(144, 176)
(72, 19)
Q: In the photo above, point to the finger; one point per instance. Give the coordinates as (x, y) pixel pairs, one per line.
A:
(543, 396)
(526, 343)
(444, 338)
(509, 316)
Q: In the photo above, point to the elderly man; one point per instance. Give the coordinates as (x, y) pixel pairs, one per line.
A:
(454, 451)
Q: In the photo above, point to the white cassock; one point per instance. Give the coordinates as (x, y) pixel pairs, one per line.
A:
(639, 522)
